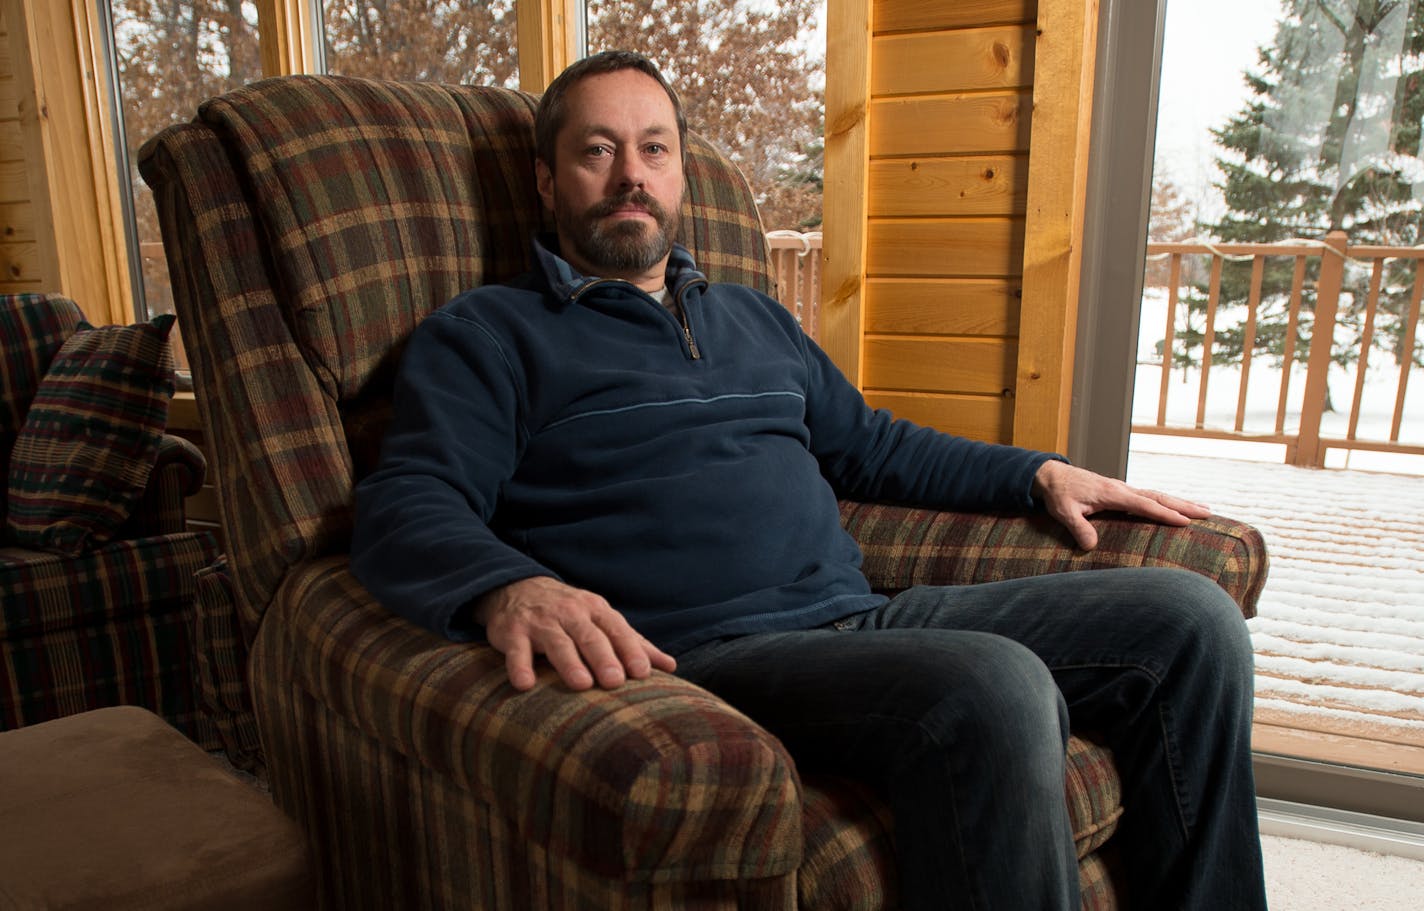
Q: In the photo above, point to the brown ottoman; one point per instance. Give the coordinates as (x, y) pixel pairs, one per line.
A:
(113, 809)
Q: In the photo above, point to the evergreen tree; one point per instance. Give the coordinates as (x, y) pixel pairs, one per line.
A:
(1329, 140)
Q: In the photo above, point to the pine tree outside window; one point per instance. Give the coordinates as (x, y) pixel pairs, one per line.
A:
(1327, 140)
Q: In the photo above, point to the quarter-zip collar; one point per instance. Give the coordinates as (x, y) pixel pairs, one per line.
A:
(568, 285)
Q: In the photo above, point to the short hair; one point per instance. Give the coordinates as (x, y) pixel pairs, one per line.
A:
(551, 114)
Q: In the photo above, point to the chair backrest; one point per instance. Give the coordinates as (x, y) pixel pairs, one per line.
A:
(33, 327)
(309, 223)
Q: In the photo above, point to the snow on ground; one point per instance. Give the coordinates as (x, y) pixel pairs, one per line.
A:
(1340, 634)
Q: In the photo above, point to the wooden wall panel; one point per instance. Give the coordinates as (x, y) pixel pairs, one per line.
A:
(950, 115)
(848, 43)
(914, 364)
(950, 125)
(972, 146)
(980, 58)
(980, 417)
(931, 306)
(58, 97)
(19, 254)
(972, 185)
(929, 15)
(957, 247)
(20, 265)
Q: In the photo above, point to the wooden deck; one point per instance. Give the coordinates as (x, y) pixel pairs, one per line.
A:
(1340, 633)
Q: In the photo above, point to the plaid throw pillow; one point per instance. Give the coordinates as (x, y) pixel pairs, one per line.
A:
(84, 454)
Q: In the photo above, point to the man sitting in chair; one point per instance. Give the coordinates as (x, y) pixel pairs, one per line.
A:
(620, 467)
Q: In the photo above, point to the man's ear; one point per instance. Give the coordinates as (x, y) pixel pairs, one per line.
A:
(544, 180)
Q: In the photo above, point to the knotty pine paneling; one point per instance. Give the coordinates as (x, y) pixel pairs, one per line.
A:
(983, 366)
(940, 306)
(972, 59)
(982, 417)
(931, 15)
(19, 263)
(12, 141)
(955, 212)
(972, 185)
(950, 124)
(17, 222)
(977, 247)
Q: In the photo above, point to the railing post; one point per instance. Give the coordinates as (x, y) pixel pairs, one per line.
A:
(1308, 451)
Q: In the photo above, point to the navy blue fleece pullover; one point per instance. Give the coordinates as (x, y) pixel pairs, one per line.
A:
(686, 471)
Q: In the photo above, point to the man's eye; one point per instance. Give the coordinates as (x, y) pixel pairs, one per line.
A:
(599, 151)
(657, 149)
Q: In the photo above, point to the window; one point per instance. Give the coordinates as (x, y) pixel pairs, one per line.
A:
(167, 58)
(453, 41)
(1280, 322)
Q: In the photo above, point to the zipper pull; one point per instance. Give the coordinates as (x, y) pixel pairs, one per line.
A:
(691, 342)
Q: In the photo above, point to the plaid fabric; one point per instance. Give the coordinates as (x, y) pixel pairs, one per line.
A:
(849, 862)
(1094, 795)
(32, 329)
(288, 498)
(220, 665)
(84, 455)
(629, 791)
(107, 628)
(1097, 883)
(178, 472)
(905, 547)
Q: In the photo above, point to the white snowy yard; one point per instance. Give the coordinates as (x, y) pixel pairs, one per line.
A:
(1340, 636)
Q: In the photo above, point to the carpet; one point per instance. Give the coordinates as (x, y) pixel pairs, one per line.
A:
(1314, 876)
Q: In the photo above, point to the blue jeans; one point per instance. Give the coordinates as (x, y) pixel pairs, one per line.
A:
(956, 704)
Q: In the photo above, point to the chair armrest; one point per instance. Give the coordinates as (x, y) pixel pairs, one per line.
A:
(905, 547)
(178, 472)
(655, 781)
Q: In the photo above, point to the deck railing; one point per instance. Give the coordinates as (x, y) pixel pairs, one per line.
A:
(796, 264)
(1333, 275)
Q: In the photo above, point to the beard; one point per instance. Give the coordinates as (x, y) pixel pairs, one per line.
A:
(625, 246)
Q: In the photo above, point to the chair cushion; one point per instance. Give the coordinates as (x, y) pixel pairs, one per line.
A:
(849, 858)
(32, 329)
(83, 457)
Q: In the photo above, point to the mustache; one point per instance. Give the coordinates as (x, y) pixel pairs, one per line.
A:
(632, 197)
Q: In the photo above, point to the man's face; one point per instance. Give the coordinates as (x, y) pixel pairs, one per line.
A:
(616, 187)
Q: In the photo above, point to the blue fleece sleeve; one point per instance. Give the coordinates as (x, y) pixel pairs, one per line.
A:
(867, 454)
(422, 542)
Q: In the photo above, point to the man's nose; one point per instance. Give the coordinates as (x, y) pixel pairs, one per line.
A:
(629, 171)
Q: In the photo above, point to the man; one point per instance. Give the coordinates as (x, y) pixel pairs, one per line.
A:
(617, 466)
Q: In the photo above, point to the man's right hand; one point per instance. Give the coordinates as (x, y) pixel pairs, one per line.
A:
(580, 633)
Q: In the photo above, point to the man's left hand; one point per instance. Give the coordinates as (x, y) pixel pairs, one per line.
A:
(1071, 494)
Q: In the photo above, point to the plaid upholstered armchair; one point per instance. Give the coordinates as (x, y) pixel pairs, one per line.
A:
(96, 564)
(310, 223)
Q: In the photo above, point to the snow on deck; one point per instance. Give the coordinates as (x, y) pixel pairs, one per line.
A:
(1339, 639)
